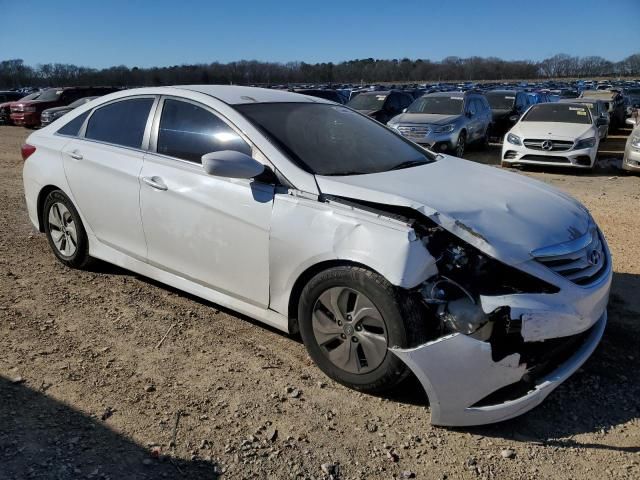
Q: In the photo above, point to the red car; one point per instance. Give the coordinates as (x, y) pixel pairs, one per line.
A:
(27, 112)
(6, 99)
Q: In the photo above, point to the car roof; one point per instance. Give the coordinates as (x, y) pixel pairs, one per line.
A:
(234, 95)
(504, 91)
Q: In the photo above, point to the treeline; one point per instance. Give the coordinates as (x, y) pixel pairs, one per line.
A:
(15, 73)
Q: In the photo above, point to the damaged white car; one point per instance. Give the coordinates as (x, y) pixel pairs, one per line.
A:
(388, 259)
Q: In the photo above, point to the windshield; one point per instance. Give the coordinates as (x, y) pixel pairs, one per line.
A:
(437, 105)
(50, 95)
(368, 101)
(501, 101)
(555, 112)
(332, 140)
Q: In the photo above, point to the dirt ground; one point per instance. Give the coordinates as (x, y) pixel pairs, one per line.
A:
(86, 392)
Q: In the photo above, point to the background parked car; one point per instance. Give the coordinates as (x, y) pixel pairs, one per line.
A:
(27, 112)
(561, 134)
(51, 114)
(446, 121)
(631, 99)
(506, 107)
(616, 104)
(6, 99)
(381, 105)
(631, 160)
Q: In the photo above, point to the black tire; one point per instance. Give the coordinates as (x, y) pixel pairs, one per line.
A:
(461, 145)
(402, 317)
(80, 258)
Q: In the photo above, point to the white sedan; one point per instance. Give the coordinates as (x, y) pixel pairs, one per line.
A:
(560, 134)
(306, 215)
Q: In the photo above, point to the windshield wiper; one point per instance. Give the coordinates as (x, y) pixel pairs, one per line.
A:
(409, 164)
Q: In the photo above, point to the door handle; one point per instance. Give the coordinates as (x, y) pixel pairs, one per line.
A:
(75, 155)
(155, 182)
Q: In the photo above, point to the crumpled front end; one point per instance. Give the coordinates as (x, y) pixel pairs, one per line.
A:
(504, 338)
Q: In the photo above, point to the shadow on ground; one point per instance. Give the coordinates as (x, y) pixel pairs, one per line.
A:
(41, 438)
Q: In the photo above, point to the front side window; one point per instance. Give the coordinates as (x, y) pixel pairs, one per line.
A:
(333, 140)
(121, 123)
(72, 128)
(188, 132)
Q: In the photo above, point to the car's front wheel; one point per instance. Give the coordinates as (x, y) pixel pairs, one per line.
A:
(65, 232)
(461, 144)
(349, 317)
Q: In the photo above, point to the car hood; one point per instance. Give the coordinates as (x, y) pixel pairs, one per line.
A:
(425, 118)
(504, 214)
(568, 131)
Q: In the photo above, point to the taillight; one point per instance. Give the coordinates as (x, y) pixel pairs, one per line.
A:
(27, 150)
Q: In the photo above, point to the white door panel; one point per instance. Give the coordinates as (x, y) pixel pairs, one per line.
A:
(211, 230)
(104, 181)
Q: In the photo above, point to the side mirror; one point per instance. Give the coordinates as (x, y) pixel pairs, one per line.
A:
(404, 110)
(600, 122)
(514, 118)
(231, 164)
(468, 114)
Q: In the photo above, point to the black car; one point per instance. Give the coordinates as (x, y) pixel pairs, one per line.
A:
(506, 107)
(51, 114)
(381, 105)
(327, 94)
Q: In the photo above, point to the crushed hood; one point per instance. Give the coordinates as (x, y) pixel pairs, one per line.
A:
(425, 118)
(504, 214)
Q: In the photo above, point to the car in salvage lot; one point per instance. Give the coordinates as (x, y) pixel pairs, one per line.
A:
(311, 217)
(631, 159)
(27, 112)
(5, 107)
(446, 122)
(560, 134)
(51, 114)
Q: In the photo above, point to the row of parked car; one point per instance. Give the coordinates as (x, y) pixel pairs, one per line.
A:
(537, 128)
(41, 107)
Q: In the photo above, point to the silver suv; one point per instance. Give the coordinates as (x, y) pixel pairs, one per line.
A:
(446, 121)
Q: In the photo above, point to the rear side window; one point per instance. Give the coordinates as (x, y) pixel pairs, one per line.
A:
(73, 127)
(120, 123)
(188, 132)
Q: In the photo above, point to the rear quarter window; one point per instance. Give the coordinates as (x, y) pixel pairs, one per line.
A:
(72, 128)
(120, 123)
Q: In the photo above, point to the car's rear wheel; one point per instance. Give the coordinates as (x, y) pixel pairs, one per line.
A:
(349, 317)
(65, 232)
(461, 144)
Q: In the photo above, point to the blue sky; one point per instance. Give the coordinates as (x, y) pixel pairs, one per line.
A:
(100, 33)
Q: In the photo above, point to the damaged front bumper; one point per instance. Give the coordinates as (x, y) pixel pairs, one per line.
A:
(467, 385)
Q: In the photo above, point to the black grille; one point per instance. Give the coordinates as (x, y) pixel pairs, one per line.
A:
(545, 158)
(510, 154)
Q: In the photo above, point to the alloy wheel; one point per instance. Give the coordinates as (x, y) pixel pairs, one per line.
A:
(350, 330)
(63, 229)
